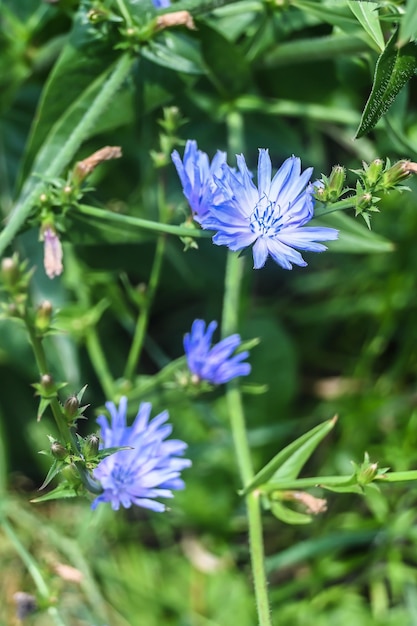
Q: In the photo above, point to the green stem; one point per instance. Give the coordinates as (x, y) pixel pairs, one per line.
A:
(129, 221)
(99, 361)
(233, 280)
(341, 205)
(143, 317)
(33, 570)
(66, 435)
(30, 193)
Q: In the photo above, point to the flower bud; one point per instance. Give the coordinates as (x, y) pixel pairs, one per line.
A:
(373, 173)
(367, 471)
(71, 407)
(58, 450)
(335, 184)
(43, 316)
(52, 258)
(25, 604)
(395, 174)
(47, 382)
(10, 272)
(91, 445)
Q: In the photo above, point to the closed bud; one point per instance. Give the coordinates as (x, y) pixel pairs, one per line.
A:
(71, 407)
(374, 171)
(25, 604)
(47, 382)
(336, 181)
(91, 446)
(43, 316)
(10, 271)
(58, 450)
(395, 174)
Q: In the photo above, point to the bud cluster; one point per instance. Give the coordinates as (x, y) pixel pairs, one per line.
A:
(374, 179)
(168, 139)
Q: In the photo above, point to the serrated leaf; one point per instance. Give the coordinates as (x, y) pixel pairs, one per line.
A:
(408, 26)
(354, 237)
(289, 516)
(393, 70)
(367, 15)
(288, 462)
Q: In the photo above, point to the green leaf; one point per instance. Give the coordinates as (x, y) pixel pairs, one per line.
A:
(408, 26)
(289, 516)
(175, 51)
(288, 462)
(54, 470)
(393, 70)
(64, 139)
(367, 15)
(84, 59)
(64, 490)
(354, 237)
(227, 65)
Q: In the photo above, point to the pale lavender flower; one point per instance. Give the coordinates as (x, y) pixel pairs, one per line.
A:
(52, 252)
(150, 470)
(214, 364)
(161, 4)
(271, 216)
(196, 175)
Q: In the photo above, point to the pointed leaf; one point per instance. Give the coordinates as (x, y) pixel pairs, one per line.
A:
(289, 516)
(62, 491)
(367, 15)
(289, 461)
(408, 27)
(54, 470)
(393, 70)
(354, 237)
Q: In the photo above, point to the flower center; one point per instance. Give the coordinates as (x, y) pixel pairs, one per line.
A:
(265, 220)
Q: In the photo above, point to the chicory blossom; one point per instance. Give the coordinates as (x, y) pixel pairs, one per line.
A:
(161, 4)
(149, 469)
(271, 216)
(196, 175)
(214, 364)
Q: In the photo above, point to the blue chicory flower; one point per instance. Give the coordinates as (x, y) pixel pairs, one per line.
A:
(151, 469)
(196, 175)
(271, 216)
(214, 364)
(161, 4)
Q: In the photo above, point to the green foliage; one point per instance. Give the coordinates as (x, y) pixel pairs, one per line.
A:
(336, 337)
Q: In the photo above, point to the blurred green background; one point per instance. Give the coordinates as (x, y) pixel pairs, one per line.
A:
(338, 337)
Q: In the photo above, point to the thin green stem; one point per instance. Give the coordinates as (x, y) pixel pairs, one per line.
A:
(230, 317)
(33, 570)
(341, 205)
(233, 280)
(129, 221)
(66, 434)
(143, 317)
(99, 361)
